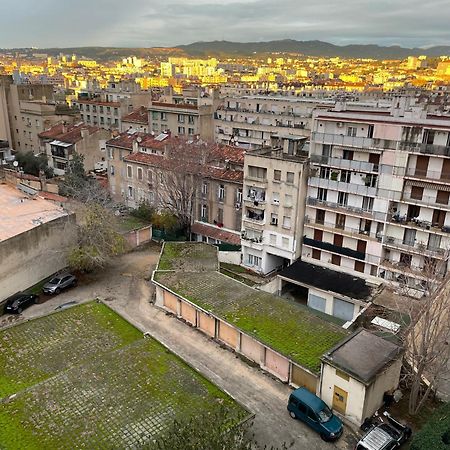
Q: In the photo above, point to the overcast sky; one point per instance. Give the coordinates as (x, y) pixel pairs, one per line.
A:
(148, 23)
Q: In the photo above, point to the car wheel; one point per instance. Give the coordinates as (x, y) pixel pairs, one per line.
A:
(74, 283)
(324, 437)
(57, 290)
(292, 414)
(19, 310)
(36, 300)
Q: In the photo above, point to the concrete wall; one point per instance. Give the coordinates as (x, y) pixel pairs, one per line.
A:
(139, 237)
(268, 359)
(29, 257)
(230, 257)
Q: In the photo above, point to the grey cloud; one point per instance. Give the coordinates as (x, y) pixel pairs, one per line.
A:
(172, 22)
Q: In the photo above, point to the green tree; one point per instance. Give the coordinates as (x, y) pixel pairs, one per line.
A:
(435, 434)
(98, 239)
(144, 211)
(32, 164)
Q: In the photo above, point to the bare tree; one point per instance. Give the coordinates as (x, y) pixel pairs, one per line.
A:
(427, 330)
(180, 175)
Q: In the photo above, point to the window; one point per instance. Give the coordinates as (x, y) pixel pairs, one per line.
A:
(273, 239)
(191, 120)
(116, 111)
(442, 197)
(254, 260)
(285, 242)
(345, 176)
(320, 216)
(257, 172)
(290, 177)
(322, 194)
(342, 375)
(101, 109)
(288, 200)
(277, 175)
(221, 193)
(110, 153)
(204, 188)
(325, 173)
(180, 118)
(204, 213)
(367, 203)
(190, 131)
(129, 172)
(274, 219)
(347, 154)
(239, 195)
(149, 175)
(286, 222)
(326, 150)
(140, 175)
(181, 130)
(276, 198)
(342, 198)
(316, 254)
(371, 180)
(351, 131)
(340, 221)
(111, 170)
(336, 260)
(130, 192)
(163, 116)
(220, 216)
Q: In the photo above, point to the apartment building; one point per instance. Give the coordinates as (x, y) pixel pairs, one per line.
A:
(138, 162)
(98, 113)
(275, 183)
(378, 196)
(251, 121)
(189, 113)
(136, 120)
(61, 142)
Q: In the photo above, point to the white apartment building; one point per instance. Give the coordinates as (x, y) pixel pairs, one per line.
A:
(273, 205)
(378, 195)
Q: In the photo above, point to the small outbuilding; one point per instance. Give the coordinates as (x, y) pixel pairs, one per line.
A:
(358, 372)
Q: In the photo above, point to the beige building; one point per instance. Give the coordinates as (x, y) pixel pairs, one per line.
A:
(35, 235)
(137, 120)
(275, 181)
(61, 142)
(189, 113)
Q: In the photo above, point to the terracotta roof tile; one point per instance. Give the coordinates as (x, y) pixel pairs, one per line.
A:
(139, 115)
(216, 233)
(67, 133)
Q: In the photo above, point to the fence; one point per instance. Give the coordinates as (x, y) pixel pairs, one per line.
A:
(138, 237)
(162, 235)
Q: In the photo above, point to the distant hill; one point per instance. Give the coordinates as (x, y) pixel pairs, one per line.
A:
(227, 48)
(310, 48)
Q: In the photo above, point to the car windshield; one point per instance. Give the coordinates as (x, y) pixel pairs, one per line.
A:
(54, 281)
(325, 415)
(395, 434)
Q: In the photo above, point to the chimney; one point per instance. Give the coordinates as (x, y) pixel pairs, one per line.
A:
(43, 180)
(135, 146)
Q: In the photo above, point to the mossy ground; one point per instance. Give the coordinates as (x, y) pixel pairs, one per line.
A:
(188, 257)
(85, 378)
(291, 329)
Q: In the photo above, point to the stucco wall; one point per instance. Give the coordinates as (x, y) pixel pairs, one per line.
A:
(355, 389)
(230, 257)
(387, 381)
(277, 364)
(171, 302)
(252, 349)
(228, 334)
(302, 378)
(207, 324)
(188, 313)
(29, 257)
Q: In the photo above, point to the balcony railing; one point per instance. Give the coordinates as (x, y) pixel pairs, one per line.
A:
(377, 215)
(355, 166)
(413, 246)
(426, 200)
(334, 248)
(413, 172)
(339, 228)
(428, 149)
(341, 186)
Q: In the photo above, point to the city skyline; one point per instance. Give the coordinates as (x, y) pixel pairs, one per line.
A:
(171, 23)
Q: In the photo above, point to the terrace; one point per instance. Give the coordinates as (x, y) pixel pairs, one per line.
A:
(86, 378)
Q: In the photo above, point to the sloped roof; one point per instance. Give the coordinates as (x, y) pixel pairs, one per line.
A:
(67, 133)
(139, 115)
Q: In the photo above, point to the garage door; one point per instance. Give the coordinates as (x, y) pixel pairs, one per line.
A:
(316, 302)
(342, 309)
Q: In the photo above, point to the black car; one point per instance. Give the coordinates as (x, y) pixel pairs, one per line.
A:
(18, 302)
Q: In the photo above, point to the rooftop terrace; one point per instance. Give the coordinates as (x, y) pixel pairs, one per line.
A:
(291, 329)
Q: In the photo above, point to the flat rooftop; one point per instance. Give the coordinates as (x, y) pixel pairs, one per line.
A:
(327, 279)
(363, 355)
(20, 212)
(293, 330)
(86, 376)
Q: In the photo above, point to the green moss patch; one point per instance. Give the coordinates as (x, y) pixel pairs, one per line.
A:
(105, 385)
(184, 256)
(286, 327)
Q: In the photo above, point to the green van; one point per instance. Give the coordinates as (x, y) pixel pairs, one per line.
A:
(309, 408)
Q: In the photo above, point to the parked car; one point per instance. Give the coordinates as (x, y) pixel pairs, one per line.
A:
(309, 408)
(59, 283)
(18, 302)
(388, 435)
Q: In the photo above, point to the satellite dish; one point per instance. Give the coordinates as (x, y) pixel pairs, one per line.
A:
(15, 163)
(139, 139)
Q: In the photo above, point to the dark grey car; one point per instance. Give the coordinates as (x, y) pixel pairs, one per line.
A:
(59, 283)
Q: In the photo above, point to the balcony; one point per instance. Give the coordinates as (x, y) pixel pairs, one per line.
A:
(360, 212)
(439, 177)
(413, 246)
(426, 149)
(427, 200)
(354, 166)
(337, 228)
(352, 141)
(255, 218)
(334, 248)
(341, 186)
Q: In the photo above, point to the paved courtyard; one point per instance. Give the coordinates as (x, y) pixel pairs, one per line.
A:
(127, 290)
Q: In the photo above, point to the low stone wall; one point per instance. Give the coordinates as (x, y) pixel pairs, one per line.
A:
(230, 257)
(138, 237)
(267, 358)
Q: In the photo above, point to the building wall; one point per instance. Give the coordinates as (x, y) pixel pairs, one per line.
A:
(34, 255)
(355, 389)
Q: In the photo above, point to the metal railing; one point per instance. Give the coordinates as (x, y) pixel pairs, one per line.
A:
(413, 245)
(339, 228)
(352, 188)
(356, 166)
